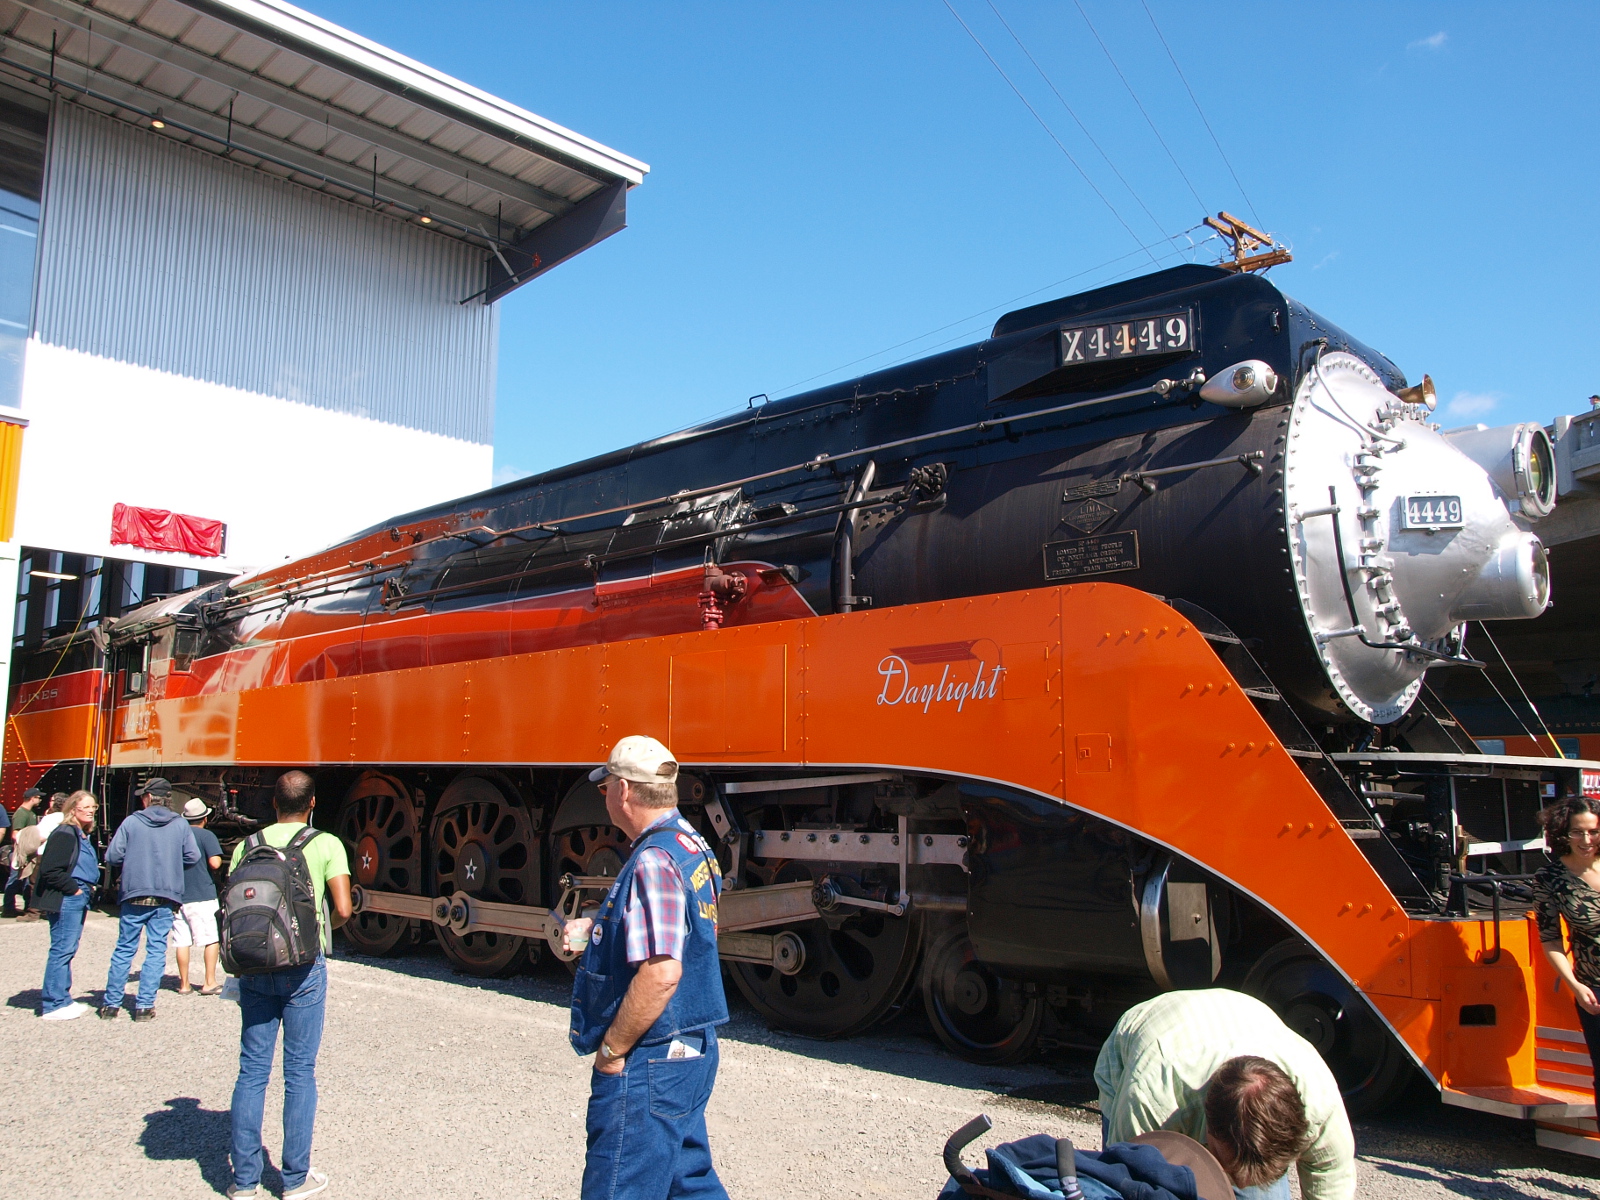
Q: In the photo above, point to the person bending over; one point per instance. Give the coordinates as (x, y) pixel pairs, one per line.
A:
(1222, 1067)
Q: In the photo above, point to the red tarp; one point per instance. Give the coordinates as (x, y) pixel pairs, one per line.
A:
(158, 529)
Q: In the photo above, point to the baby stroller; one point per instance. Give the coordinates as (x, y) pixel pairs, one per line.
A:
(1161, 1165)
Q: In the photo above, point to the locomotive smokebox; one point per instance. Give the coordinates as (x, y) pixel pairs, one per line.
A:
(1400, 534)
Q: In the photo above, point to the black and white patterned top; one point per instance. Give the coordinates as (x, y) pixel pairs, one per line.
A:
(1558, 893)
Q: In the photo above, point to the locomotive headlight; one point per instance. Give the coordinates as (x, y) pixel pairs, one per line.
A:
(1243, 385)
(1520, 460)
(1514, 583)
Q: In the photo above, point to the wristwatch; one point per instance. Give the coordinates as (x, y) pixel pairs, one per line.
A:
(610, 1055)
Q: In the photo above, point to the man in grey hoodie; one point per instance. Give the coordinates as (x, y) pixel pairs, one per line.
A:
(152, 846)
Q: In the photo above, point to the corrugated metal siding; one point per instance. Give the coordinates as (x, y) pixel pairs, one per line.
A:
(169, 257)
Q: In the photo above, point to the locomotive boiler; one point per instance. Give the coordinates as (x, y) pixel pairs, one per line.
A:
(1194, 435)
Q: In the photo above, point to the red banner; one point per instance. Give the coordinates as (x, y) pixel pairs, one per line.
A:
(158, 529)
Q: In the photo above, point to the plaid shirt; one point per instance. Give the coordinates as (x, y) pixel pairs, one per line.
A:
(654, 915)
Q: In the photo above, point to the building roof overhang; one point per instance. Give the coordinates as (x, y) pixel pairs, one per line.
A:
(273, 87)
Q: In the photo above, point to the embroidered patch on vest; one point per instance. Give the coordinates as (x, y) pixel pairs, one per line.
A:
(598, 934)
(689, 843)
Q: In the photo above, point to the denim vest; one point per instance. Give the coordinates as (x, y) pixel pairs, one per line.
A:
(604, 972)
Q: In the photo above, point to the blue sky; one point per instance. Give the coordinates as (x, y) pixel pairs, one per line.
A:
(836, 187)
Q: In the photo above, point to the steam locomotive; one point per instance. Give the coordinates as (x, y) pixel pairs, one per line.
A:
(1193, 434)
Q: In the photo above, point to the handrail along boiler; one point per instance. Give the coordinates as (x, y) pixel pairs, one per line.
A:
(1033, 677)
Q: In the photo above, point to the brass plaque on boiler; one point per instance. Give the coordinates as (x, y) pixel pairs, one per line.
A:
(1101, 555)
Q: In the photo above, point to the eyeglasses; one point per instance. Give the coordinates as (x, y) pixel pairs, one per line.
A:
(1583, 833)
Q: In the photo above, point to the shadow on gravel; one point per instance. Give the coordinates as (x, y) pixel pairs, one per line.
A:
(29, 999)
(184, 1131)
(1463, 1151)
(904, 1045)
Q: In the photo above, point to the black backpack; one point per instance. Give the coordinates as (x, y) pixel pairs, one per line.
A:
(269, 920)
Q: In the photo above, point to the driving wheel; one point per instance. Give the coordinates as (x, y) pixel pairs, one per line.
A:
(1316, 1002)
(587, 850)
(857, 969)
(378, 823)
(982, 1017)
(483, 844)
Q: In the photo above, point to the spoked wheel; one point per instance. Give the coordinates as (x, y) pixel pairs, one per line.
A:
(378, 823)
(1316, 1002)
(854, 975)
(982, 1017)
(587, 850)
(484, 845)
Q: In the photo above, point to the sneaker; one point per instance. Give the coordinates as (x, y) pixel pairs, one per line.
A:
(315, 1182)
(238, 1193)
(144, 1014)
(70, 1012)
(108, 1012)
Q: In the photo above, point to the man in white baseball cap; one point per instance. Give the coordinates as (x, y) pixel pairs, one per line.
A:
(197, 918)
(648, 998)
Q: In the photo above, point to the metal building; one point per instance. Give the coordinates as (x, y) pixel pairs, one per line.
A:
(248, 271)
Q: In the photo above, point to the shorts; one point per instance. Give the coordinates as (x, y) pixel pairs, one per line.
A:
(196, 925)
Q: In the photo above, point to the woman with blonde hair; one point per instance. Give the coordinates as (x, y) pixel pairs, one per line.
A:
(68, 868)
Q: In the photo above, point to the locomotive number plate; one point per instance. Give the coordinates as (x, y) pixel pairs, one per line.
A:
(1165, 334)
(1431, 512)
(1092, 555)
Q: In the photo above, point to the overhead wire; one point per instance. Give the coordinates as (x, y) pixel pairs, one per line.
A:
(1071, 112)
(1004, 304)
(1196, 100)
(1526, 699)
(1045, 125)
(1149, 120)
(1165, 255)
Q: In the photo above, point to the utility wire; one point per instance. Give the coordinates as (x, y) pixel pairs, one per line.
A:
(1148, 119)
(1046, 127)
(783, 391)
(1533, 708)
(1512, 709)
(1073, 114)
(1202, 112)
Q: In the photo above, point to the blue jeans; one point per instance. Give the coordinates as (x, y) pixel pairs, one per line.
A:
(647, 1127)
(295, 999)
(15, 887)
(1265, 1191)
(66, 929)
(155, 923)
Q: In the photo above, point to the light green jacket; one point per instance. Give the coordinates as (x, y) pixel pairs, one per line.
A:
(1154, 1068)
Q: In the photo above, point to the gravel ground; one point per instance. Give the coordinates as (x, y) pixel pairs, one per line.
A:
(433, 1084)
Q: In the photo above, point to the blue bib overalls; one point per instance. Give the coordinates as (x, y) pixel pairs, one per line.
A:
(647, 1124)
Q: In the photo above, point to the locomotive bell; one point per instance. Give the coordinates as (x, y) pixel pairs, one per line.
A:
(1243, 385)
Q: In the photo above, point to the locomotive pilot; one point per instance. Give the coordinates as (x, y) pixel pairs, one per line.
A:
(648, 994)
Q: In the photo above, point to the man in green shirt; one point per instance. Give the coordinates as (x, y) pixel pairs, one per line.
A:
(1222, 1067)
(294, 998)
(25, 814)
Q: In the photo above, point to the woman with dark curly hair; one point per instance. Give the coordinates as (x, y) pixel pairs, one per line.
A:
(1569, 886)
